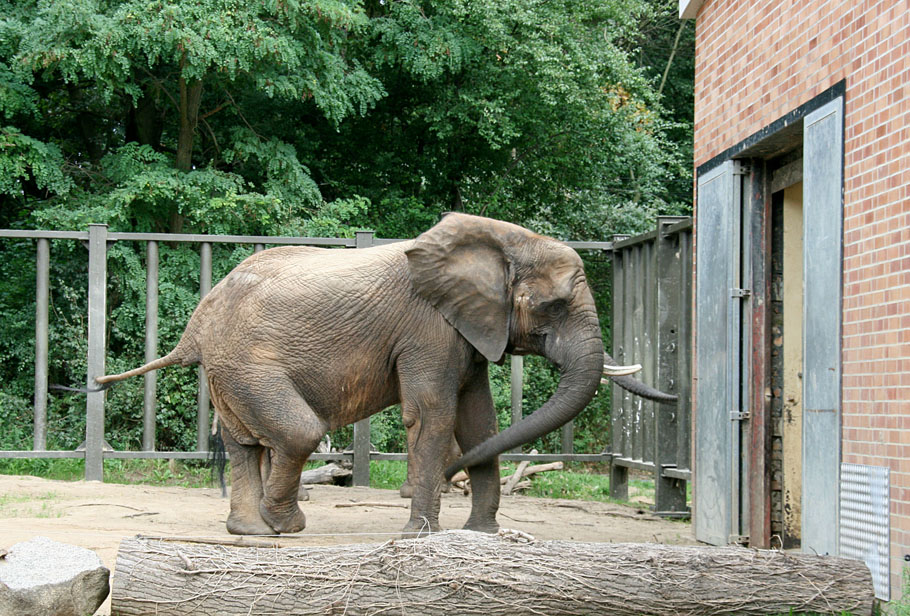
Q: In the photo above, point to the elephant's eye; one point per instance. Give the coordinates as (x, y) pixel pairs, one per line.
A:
(555, 308)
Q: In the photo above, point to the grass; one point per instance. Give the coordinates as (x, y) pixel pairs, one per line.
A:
(19, 506)
(388, 474)
(188, 474)
(578, 481)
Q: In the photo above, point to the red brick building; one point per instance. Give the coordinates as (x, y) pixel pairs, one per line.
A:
(802, 157)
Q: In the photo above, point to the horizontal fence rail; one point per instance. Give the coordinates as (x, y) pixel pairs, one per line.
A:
(95, 448)
(652, 315)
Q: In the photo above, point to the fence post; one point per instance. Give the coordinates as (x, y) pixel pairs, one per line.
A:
(97, 311)
(621, 416)
(202, 397)
(149, 399)
(568, 437)
(364, 239)
(669, 493)
(516, 378)
(42, 267)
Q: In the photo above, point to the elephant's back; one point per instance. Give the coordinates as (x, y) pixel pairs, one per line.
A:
(287, 295)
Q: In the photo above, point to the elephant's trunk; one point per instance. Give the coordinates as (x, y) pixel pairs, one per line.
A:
(580, 358)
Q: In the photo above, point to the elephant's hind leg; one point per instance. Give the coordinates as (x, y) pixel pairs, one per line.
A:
(291, 430)
(246, 487)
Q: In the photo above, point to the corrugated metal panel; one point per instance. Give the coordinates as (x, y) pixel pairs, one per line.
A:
(865, 526)
(715, 247)
(822, 249)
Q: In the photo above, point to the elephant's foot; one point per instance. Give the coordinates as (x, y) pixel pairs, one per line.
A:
(483, 525)
(248, 525)
(420, 527)
(284, 519)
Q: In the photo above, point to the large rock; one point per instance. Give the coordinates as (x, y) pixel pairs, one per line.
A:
(45, 577)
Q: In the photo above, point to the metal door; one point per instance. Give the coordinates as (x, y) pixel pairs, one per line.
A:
(718, 350)
(822, 256)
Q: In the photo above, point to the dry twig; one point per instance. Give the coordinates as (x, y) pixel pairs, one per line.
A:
(371, 504)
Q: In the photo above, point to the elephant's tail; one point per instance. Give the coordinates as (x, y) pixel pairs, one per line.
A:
(177, 356)
(108, 380)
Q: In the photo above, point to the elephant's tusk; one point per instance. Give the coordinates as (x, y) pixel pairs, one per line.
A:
(621, 370)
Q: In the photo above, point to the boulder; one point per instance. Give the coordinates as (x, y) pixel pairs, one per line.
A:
(41, 576)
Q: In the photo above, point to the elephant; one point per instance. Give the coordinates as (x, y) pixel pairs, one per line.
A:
(298, 341)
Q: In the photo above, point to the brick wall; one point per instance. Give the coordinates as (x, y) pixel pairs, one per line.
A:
(755, 62)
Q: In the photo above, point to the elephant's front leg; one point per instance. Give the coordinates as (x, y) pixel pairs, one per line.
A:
(411, 421)
(412, 427)
(475, 423)
(428, 450)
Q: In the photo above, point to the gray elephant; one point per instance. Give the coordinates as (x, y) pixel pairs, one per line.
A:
(300, 341)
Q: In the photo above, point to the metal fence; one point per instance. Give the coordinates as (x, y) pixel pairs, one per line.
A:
(652, 316)
(95, 448)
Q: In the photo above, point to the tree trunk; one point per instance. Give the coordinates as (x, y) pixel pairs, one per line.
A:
(473, 573)
(190, 100)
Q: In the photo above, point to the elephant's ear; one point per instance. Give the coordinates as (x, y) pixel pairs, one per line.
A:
(459, 267)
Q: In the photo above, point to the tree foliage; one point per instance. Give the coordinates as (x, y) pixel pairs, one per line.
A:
(310, 117)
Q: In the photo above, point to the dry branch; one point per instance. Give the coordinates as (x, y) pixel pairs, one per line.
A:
(371, 504)
(521, 485)
(510, 482)
(460, 477)
(542, 468)
(473, 573)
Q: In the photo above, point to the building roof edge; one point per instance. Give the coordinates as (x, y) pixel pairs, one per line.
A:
(689, 8)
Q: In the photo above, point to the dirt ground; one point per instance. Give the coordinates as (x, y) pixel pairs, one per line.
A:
(97, 516)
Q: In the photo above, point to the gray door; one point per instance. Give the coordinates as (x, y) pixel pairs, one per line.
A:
(822, 250)
(717, 349)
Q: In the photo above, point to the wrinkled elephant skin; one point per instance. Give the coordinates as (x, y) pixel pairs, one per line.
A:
(298, 341)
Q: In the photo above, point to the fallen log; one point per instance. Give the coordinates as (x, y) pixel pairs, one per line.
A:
(473, 573)
(329, 473)
(541, 468)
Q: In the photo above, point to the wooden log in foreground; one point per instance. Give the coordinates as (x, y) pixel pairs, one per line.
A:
(462, 572)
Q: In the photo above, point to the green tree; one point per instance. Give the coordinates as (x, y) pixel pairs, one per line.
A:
(665, 50)
(140, 101)
(311, 118)
(524, 110)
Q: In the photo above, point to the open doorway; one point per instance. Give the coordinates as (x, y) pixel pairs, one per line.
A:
(786, 342)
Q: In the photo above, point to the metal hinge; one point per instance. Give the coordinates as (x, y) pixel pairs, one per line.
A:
(739, 415)
(741, 168)
(738, 539)
(741, 293)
